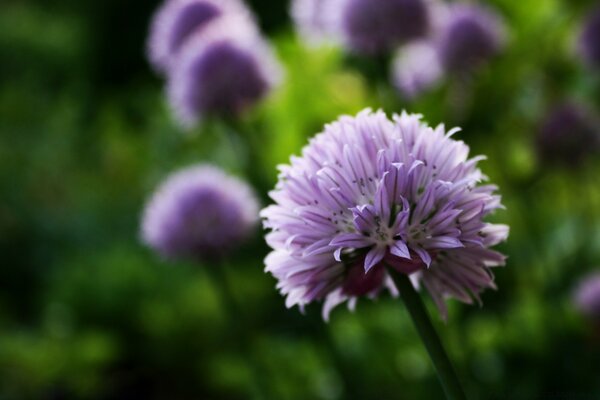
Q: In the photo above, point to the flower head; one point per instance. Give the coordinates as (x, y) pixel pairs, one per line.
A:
(416, 68)
(378, 26)
(587, 296)
(317, 21)
(589, 41)
(368, 193)
(199, 212)
(176, 20)
(222, 70)
(470, 36)
(567, 134)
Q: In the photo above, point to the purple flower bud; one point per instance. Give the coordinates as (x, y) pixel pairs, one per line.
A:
(589, 41)
(369, 194)
(587, 296)
(470, 36)
(223, 70)
(176, 20)
(199, 212)
(567, 135)
(378, 26)
(416, 68)
(317, 21)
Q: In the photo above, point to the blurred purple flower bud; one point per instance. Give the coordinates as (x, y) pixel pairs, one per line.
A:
(587, 296)
(470, 36)
(589, 41)
(199, 212)
(378, 26)
(317, 21)
(416, 68)
(567, 134)
(369, 193)
(223, 70)
(176, 20)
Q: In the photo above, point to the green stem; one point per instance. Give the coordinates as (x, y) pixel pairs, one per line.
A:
(238, 322)
(418, 313)
(247, 150)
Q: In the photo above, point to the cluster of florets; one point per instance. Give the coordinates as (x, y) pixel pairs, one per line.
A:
(370, 194)
(199, 213)
(465, 38)
(430, 39)
(416, 68)
(567, 135)
(589, 40)
(214, 58)
(363, 26)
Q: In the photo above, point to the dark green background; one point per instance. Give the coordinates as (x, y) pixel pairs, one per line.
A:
(86, 312)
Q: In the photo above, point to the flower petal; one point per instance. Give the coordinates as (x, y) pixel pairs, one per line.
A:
(374, 257)
(400, 249)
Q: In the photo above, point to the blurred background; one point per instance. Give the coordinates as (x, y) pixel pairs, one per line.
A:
(87, 312)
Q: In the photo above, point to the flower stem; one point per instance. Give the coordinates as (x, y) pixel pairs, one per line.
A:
(243, 140)
(418, 313)
(238, 323)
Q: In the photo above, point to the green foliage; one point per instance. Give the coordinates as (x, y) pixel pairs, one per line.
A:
(87, 312)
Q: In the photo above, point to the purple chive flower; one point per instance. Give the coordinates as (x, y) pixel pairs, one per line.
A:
(176, 20)
(470, 35)
(222, 70)
(369, 192)
(416, 68)
(589, 41)
(567, 135)
(587, 296)
(378, 26)
(199, 212)
(317, 21)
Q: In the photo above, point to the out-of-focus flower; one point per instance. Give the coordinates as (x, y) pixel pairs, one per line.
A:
(587, 296)
(370, 192)
(589, 41)
(378, 26)
(176, 20)
(317, 21)
(567, 134)
(470, 35)
(199, 212)
(416, 68)
(223, 70)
